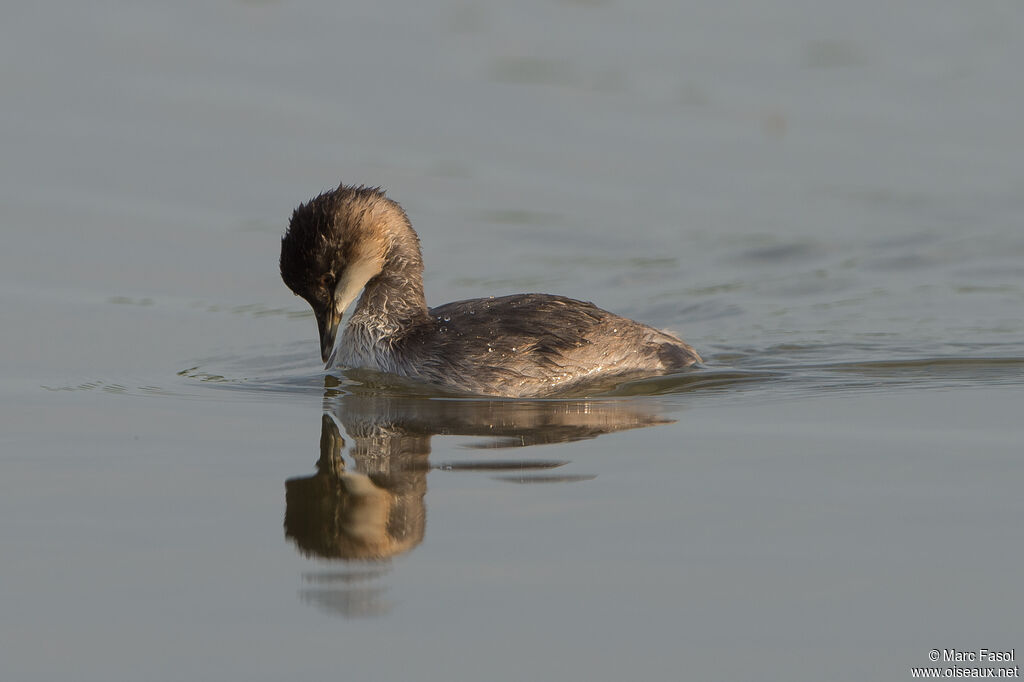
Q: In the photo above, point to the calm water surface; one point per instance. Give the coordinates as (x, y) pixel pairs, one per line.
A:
(826, 201)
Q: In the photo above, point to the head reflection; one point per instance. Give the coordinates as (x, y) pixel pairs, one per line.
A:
(375, 509)
(373, 512)
(372, 509)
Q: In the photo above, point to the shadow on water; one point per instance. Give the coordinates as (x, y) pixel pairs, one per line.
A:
(365, 505)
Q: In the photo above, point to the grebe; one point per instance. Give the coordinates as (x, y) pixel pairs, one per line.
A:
(354, 239)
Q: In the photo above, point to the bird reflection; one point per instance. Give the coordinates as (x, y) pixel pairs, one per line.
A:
(373, 509)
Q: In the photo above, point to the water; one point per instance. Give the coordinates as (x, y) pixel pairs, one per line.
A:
(825, 201)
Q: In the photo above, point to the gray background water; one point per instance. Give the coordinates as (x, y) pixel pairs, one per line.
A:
(825, 198)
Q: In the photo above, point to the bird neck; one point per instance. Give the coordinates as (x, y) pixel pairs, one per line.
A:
(394, 298)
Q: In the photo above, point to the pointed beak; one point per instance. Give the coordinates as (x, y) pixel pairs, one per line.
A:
(327, 322)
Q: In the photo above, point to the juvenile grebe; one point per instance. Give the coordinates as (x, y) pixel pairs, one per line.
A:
(355, 239)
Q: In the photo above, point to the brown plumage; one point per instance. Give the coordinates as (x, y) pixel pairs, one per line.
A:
(355, 239)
